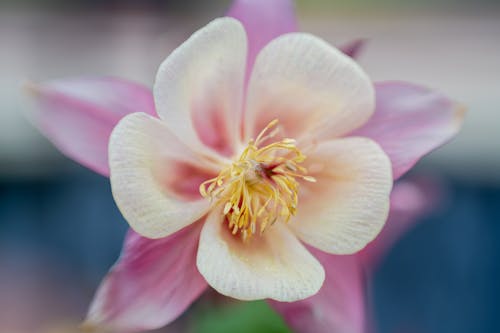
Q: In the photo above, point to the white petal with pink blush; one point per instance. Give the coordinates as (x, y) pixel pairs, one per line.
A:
(270, 167)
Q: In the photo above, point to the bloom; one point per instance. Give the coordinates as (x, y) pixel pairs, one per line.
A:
(275, 170)
(320, 98)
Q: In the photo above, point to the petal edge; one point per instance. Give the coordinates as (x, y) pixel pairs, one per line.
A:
(152, 283)
(410, 121)
(78, 115)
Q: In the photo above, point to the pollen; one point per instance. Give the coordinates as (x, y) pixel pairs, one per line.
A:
(261, 186)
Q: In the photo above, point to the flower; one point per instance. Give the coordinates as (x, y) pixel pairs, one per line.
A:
(306, 121)
(254, 180)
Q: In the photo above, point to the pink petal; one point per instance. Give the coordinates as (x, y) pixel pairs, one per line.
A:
(263, 20)
(153, 282)
(410, 121)
(409, 201)
(77, 115)
(353, 48)
(339, 305)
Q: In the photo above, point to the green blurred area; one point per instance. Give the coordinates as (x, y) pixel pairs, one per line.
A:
(241, 317)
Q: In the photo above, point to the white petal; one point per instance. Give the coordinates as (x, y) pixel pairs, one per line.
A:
(310, 86)
(275, 266)
(199, 87)
(143, 156)
(348, 205)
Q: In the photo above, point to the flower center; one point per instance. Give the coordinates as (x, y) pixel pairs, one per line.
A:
(260, 187)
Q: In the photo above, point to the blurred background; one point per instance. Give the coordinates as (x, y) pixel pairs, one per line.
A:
(60, 230)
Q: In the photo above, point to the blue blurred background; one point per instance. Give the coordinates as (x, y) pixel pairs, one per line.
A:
(60, 230)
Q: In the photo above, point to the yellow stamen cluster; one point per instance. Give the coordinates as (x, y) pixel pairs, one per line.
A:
(260, 187)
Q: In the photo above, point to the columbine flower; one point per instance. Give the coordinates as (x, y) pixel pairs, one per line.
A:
(249, 158)
(277, 162)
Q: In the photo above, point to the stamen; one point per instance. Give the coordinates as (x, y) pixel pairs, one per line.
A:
(260, 187)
